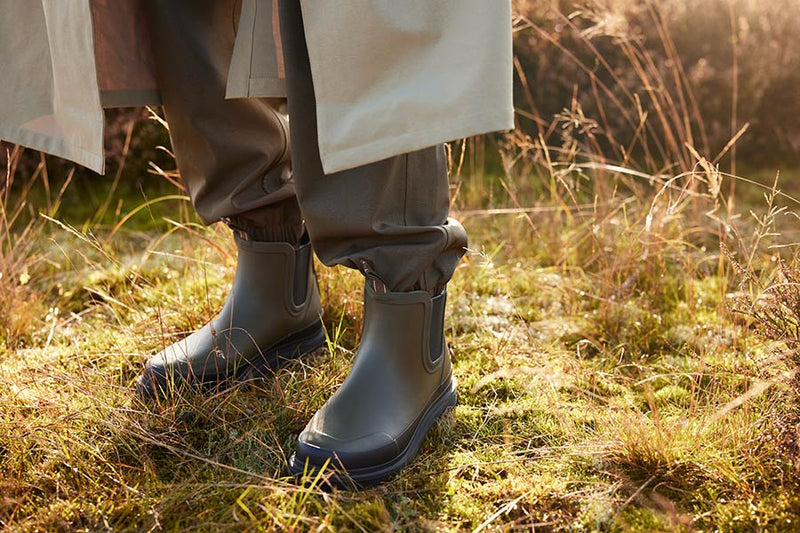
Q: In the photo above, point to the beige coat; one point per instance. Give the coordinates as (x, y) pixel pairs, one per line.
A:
(390, 76)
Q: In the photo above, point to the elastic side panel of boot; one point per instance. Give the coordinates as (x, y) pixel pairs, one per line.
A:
(437, 327)
(301, 267)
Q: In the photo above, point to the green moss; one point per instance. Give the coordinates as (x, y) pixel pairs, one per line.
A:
(673, 395)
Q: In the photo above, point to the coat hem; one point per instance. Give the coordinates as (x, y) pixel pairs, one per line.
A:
(56, 147)
(410, 141)
(130, 98)
(267, 87)
(257, 88)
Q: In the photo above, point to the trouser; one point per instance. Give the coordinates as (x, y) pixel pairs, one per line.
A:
(236, 161)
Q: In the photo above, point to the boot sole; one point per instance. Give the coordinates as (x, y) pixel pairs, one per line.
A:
(295, 345)
(353, 479)
(152, 385)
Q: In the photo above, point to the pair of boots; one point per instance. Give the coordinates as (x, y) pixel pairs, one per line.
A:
(400, 383)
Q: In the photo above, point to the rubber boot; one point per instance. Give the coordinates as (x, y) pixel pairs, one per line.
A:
(400, 384)
(272, 313)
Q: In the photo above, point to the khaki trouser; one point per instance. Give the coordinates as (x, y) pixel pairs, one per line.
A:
(235, 159)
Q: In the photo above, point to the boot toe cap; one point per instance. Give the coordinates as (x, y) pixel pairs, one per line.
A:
(374, 449)
(150, 384)
(165, 371)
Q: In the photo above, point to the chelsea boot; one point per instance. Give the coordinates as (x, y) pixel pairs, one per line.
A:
(271, 313)
(400, 384)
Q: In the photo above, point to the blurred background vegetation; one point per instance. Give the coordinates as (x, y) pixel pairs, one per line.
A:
(700, 70)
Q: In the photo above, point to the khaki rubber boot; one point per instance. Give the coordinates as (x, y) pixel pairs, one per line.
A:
(400, 384)
(272, 313)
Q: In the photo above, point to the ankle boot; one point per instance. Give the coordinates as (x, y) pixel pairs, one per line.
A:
(400, 384)
(271, 313)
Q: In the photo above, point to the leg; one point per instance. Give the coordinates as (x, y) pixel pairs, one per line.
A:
(388, 219)
(391, 214)
(234, 159)
(233, 155)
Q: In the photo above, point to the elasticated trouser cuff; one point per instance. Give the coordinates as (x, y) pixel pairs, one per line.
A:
(266, 225)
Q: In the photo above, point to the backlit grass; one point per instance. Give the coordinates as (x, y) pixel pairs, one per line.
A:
(600, 390)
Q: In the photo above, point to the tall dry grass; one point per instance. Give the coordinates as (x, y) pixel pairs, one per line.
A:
(21, 233)
(702, 71)
(643, 159)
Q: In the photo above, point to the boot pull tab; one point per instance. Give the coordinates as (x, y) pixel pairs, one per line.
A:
(238, 230)
(378, 285)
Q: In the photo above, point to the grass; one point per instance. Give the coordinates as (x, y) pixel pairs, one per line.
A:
(624, 331)
(606, 384)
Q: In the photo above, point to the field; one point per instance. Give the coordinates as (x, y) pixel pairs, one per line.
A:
(625, 331)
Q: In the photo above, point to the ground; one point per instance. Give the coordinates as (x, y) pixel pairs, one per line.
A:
(614, 374)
